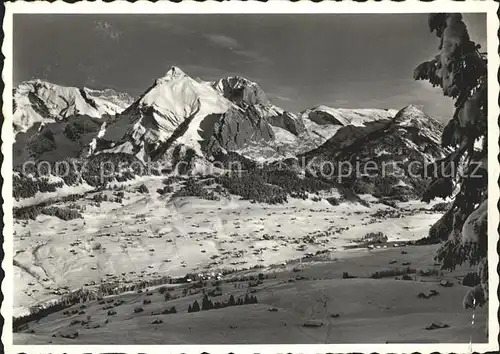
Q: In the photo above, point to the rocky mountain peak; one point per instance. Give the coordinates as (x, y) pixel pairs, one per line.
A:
(173, 73)
(241, 91)
(413, 116)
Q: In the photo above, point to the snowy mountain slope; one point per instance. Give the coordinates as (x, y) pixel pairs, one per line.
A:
(398, 149)
(175, 101)
(199, 116)
(410, 125)
(322, 122)
(412, 116)
(37, 101)
(120, 99)
(324, 115)
(297, 134)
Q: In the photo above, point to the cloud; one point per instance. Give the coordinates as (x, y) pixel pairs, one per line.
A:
(223, 41)
(108, 30)
(234, 46)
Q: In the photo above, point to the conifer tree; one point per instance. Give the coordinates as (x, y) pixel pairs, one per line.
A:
(460, 69)
(206, 303)
(195, 307)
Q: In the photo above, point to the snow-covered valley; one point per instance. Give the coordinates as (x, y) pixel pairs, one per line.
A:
(151, 235)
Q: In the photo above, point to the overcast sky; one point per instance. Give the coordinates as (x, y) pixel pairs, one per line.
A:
(351, 61)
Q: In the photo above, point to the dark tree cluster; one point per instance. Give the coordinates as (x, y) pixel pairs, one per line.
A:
(62, 213)
(460, 69)
(272, 184)
(80, 125)
(172, 179)
(67, 300)
(165, 190)
(143, 189)
(117, 287)
(97, 171)
(26, 187)
(250, 186)
(291, 182)
(207, 304)
(192, 188)
(84, 295)
(102, 169)
(234, 161)
(100, 197)
(32, 211)
(169, 311)
(42, 142)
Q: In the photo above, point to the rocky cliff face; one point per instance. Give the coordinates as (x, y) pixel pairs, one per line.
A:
(236, 128)
(287, 121)
(246, 93)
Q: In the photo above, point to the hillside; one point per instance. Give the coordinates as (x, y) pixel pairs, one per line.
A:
(311, 305)
(383, 157)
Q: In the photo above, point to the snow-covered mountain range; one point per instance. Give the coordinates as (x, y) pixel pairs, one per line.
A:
(179, 117)
(232, 113)
(38, 101)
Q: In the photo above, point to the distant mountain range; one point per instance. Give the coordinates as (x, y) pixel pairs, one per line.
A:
(179, 117)
(38, 101)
